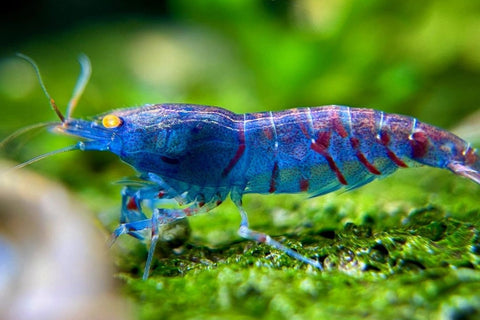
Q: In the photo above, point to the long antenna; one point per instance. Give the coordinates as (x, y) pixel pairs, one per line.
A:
(39, 76)
(42, 156)
(82, 81)
(22, 131)
(86, 71)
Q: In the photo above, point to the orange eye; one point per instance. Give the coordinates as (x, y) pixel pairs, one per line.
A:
(111, 121)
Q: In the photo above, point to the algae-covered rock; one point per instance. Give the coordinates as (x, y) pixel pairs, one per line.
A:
(390, 250)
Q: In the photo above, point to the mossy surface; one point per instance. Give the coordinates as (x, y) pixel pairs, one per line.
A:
(390, 250)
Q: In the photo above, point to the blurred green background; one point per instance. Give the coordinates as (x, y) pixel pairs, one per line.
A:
(416, 58)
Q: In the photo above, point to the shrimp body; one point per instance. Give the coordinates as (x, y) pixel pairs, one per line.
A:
(194, 156)
(209, 150)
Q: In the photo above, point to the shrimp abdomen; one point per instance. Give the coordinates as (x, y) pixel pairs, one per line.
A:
(319, 150)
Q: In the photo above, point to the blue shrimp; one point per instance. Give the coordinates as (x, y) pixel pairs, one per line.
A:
(194, 156)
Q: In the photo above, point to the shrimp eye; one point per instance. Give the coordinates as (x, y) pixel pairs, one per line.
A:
(111, 121)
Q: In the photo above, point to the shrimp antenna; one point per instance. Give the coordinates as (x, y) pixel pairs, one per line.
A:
(22, 131)
(42, 156)
(86, 71)
(39, 76)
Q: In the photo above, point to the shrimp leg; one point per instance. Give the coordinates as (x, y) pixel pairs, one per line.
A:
(137, 227)
(245, 232)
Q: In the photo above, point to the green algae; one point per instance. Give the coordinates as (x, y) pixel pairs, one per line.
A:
(408, 262)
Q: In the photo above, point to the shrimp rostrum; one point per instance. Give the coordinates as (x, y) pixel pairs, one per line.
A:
(196, 156)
